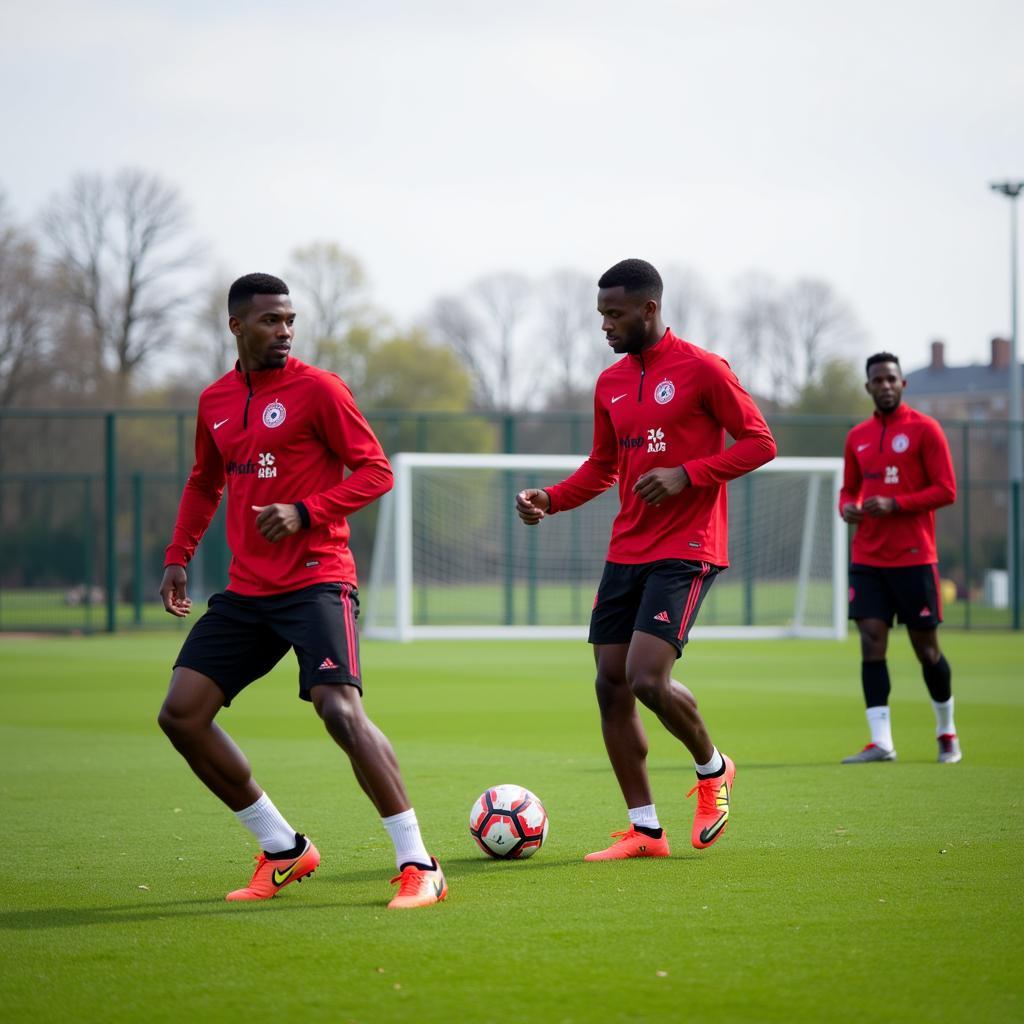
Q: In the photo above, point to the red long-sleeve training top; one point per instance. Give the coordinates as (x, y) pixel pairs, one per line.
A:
(903, 455)
(668, 406)
(284, 435)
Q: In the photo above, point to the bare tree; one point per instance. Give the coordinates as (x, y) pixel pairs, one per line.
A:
(331, 287)
(485, 329)
(756, 330)
(818, 325)
(212, 343)
(689, 307)
(119, 246)
(572, 326)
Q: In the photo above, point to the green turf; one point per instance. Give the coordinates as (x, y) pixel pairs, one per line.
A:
(882, 892)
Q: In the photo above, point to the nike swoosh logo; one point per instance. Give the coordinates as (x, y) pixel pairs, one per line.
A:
(280, 877)
(220, 423)
(861, 447)
(438, 888)
(709, 833)
(616, 398)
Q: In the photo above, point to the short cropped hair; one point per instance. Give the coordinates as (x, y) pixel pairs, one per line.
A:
(881, 357)
(242, 291)
(635, 276)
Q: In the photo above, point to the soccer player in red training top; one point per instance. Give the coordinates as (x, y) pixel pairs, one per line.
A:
(897, 472)
(281, 435)
(660, 418)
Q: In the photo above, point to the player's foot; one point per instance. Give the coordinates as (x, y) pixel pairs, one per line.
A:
(949, 749)
(631, 843)
(418, 887)
(872, 752)
(274, 873)
(712, 806)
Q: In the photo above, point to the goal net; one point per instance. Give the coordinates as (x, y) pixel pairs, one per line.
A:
(452, 559)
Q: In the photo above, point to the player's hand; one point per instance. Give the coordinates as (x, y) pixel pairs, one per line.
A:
(657, 485)
(173, 591)
(532, 505)
(278, 521)
(852, 513)
(879, 506)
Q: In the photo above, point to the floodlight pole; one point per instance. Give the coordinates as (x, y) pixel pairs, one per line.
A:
(1012, 189)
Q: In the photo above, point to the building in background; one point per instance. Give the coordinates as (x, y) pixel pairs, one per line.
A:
(977, 392)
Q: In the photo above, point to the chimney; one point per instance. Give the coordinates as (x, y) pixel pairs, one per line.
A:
(1000, 354)
(938, 356)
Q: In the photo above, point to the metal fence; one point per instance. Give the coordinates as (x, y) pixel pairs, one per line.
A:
(88, 500)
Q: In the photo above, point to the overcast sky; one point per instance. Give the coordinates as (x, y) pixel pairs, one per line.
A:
(441, 141)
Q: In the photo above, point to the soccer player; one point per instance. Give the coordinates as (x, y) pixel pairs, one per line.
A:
(660, 418)
(897, 472)
(281, 434)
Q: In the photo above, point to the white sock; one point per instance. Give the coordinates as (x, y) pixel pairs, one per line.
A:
(944, 725)
(880, 726)
(713, 767)
(404, 830)
(264, 821)
(645, 817)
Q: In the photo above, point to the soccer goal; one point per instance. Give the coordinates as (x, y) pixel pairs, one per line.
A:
(452, 560)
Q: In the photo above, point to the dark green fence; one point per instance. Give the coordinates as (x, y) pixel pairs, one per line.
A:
(88, 499)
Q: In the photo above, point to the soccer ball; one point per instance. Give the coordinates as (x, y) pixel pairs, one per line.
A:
(508, 822)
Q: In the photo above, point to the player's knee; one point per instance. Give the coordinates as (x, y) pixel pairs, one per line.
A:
(342, 719)
(612, 695)
(648, 688)
(175, 724)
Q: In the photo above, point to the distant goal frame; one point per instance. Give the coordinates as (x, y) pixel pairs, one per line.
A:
(395, 526)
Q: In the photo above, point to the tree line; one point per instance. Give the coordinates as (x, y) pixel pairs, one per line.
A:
(92, 289)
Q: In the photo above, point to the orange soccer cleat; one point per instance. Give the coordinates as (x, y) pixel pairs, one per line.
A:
(629, 844)
(418, 887)
(712, 806)
(272, 875)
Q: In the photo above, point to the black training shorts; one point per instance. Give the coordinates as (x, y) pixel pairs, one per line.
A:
(909, 593)
(661, 598)
(239, 639)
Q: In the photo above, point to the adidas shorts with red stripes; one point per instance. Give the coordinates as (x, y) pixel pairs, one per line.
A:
(909, 593)
(661, 598)
(239, 639)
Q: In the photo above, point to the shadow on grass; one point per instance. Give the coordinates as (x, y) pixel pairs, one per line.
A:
(78, 917)
(154, 910)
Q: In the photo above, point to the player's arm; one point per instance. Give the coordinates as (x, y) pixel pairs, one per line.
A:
(941, 489)
(344, 431)
(849, 495)
(732, 407)
(594, 477)
(199, 501)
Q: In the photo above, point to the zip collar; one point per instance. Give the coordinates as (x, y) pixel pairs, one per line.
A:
(649, 356)
(886, 418)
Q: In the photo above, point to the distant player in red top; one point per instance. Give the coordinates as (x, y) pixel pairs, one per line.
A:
(281, 435)
(897, 472)
(660, 418)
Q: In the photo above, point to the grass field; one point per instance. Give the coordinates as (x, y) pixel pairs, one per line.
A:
(883, 892)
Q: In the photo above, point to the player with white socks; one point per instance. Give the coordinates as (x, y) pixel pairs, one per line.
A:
(897, 472)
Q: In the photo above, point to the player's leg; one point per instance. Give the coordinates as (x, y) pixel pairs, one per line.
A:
(611, 626)
(938, 677)
(321, 622)
(223, 644)
(626, 744)
(871, 606)
(921, 612)
(649, 671)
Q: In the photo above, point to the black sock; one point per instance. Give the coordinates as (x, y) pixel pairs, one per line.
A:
(874, 678)
(300, 845)
(939, 680)
(654, 833)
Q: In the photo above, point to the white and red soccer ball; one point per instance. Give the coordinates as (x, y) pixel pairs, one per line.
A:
(508, 822)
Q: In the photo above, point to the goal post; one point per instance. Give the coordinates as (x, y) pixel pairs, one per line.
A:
(451, 559)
